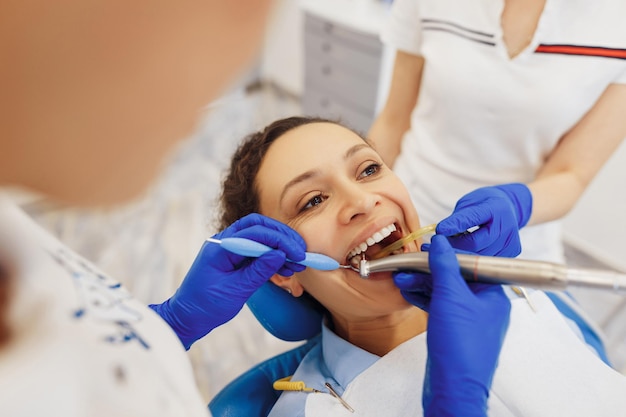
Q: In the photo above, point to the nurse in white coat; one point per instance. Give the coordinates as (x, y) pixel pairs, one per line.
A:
(93, 96)
(523, 101)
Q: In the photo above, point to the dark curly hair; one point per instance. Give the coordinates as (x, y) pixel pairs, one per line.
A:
(239, 195)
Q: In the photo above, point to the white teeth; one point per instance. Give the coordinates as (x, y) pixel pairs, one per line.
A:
(375, 238)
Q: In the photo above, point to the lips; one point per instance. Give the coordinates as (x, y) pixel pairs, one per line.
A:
(376, 242)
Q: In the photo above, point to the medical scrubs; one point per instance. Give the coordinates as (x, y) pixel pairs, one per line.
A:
(81, 345)
(483, 118)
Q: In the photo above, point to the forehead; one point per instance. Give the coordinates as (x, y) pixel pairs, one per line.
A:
(307, 147)
(315, 146)
(315, 138)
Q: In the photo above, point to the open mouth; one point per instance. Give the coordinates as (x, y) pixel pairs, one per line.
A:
(375, 243)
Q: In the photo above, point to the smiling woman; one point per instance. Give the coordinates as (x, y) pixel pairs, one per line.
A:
(329, 184)
(342, 199)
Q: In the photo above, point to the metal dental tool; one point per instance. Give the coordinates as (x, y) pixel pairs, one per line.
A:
(495, 270)
(337, 396)
(521, 291)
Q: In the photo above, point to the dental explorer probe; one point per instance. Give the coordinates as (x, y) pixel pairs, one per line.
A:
(507, 271)
(246, 247)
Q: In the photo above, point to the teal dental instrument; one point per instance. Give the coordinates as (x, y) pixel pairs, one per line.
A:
(253, 249)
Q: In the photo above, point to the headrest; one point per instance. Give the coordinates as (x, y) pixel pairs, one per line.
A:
(289, 318)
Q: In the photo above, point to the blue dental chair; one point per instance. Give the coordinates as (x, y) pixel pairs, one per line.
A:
(288, 318)
(299, 319)
(252, 394)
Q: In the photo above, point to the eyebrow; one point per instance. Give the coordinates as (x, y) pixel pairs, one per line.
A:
(313, 173)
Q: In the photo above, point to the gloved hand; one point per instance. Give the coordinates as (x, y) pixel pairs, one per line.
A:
(466, 328)
(500, 211)
(220, 282)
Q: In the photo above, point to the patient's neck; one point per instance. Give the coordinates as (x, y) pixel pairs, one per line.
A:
(382, 334)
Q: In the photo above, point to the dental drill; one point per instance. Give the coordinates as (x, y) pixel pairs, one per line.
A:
(507, 271)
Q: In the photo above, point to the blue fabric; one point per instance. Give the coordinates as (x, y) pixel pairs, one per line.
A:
(345, 360)
(251, 394)
(333, 360)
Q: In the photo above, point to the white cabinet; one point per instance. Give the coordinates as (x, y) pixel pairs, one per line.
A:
(344, 61)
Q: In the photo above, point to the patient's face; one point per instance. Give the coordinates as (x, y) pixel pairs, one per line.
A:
(333, 188)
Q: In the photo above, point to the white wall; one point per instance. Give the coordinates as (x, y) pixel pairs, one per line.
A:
(282, 59)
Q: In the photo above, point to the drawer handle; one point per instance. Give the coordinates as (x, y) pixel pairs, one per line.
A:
(326, 70)
(324, 102)
(326, 47)
(328, 27)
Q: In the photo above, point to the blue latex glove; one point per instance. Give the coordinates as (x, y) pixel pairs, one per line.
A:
(219, 282)
(500, 211)
(466, 327)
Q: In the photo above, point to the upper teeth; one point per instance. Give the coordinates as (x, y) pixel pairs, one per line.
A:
(375, 238)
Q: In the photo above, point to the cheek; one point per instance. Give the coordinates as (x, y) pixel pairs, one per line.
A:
(398, 193)
(398, 189)
(318, 233)
(317, 281)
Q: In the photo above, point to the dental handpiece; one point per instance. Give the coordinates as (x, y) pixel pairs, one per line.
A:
(495, 270)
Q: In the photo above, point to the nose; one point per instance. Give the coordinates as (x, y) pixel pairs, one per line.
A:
(356, 201)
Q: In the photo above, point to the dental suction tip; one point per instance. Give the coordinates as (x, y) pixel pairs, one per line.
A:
(411, 237)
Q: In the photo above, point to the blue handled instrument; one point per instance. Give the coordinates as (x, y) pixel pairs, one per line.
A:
(253, 249)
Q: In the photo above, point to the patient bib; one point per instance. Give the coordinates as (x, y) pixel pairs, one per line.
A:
(390, 387)
(544, 370)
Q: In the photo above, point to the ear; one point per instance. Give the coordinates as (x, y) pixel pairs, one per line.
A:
(289, 284)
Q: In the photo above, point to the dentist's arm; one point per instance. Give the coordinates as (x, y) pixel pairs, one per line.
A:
(579, 156)
(466, 329)
(394, 119)
(219, 282)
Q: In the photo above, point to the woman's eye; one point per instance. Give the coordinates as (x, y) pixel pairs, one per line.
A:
(370, 170)
(315, 201)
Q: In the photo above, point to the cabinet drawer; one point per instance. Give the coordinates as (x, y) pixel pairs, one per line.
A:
(354, 88)
(318, 103)
(366, 42)
(327, 49)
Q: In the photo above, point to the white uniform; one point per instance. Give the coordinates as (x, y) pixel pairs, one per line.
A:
(483, 118)
(81, 345)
